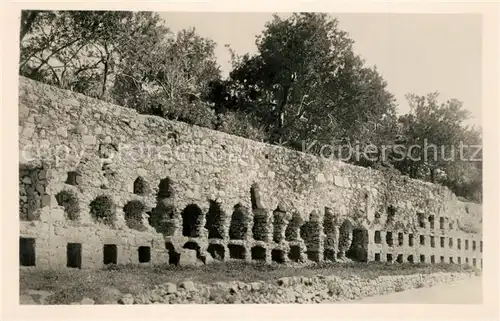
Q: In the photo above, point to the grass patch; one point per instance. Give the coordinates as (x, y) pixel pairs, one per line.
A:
(107, 284)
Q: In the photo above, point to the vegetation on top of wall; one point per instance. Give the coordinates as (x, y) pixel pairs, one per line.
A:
(133, 214)
(102, 209)
(69, 200)
(305, 84)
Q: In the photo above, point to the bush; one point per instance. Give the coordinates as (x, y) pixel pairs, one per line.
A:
(241, 124)
(195, 113)
(69, 201)
(102, 209)
(133, 214)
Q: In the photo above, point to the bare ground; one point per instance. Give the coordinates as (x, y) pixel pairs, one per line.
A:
(72, 285)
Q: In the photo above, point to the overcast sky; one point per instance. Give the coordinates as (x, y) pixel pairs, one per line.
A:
(414, 53)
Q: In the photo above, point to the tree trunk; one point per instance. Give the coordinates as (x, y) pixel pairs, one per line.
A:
(27, 20)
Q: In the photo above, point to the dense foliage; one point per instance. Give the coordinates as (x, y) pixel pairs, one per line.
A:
(305, 88)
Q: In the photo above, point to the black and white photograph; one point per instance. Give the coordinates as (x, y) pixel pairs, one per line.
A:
(305, 157)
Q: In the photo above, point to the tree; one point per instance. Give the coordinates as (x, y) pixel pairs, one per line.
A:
(172, 79)
(79, 50)
(306, 83)
(434, 135)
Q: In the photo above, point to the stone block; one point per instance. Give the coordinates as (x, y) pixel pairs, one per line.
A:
(207, 258)
(188, 257)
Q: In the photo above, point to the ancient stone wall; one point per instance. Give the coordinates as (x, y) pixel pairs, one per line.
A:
(100, 171)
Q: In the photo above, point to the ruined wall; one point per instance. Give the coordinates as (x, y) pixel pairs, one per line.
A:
(184, 188)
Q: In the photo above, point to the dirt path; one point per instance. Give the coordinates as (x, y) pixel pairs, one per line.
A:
(468, 291)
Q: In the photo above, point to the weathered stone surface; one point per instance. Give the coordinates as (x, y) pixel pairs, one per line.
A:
(112, 146)
(87, 301)
(187, 257)
(188, 286)
(126, 299)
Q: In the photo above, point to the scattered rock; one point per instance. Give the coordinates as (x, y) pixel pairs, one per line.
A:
(87, 301)
(188, 286)
(170, 288)
(126, 299)
(26, 299)
(187, 257)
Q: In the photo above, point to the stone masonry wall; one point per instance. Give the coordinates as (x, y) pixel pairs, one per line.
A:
(97, 174)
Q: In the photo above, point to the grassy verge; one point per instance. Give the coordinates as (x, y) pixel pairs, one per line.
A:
(106, 285)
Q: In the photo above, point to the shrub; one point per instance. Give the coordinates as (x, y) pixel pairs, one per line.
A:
(133, 214)
(195, 113)
(241, 124)
(69, 201)
(102, 209)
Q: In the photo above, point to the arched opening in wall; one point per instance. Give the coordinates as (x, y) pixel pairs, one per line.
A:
(69, 200)
(377, 257)
(258, 253)
(144, 254)
(459, 260)
(74, 178)
(451, 260)
(215, 221)
(410, 259)
(345, 238)
(421, 219)
(389, 258)
(173, 255)
(399, 258)
(27, 251)
(391, 213)
(217, 251)
(165, 189)
(295, 253)
(358, 250)
(193, 246)
(260, 226)
(278, 256)
(329, 255)
(433, 243)
(466, 260)
(329, 228)
(441, 223)
(433, 259)
(191, 220)
(450, 243)
(102, 209)
(466, 244)
(441, 259)
(410, 240)
(239, 223)
(32, 185)
(473, 245)
(459, 244)
(309, 232)
(236, 251)
(292, 231)
(110, 254)
(279, 225)
(133, 211)
(255, 197)
(140, 186)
